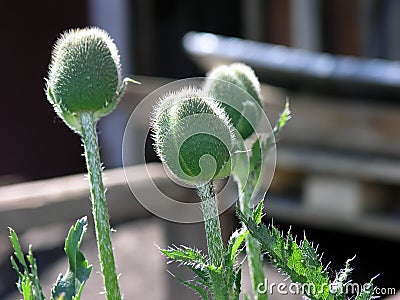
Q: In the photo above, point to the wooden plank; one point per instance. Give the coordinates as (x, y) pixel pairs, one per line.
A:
(63, 200)
(379, 226)
(341, 124)
(360, 126)
(310, 160)
(333, 194)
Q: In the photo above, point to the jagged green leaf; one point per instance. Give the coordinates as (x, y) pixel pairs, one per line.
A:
(367, 292)
(202, 276)
(70, 285)
(195, 260)
(232, 270)
(341, 279)
(186, 256)
(208, 276)
(235, 241)
(300, 261)
(258, 212)
(284, 117)
(17, 247)
(28, 279)
(191, 258)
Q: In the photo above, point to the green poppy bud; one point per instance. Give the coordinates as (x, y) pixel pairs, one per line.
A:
(84, 75)
(244, 107)
(193, 137)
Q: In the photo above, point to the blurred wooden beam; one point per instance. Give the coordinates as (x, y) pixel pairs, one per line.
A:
(64, 199)
(378, 226)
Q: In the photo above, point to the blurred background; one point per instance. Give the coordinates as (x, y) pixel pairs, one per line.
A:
(338, 168)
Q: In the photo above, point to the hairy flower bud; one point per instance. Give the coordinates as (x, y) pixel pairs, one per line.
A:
(193, 137)
(84, 75)
(244, 107)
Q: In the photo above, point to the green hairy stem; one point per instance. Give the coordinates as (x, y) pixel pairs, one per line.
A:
(209, 205)
(215, 245)
(99, 205)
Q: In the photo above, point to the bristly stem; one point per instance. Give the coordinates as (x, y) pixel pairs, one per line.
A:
(209, 206)
(99, 205)
(253, 250)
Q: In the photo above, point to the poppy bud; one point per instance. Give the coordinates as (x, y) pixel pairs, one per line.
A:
(193, 137)
(84, 75)
(244, 107)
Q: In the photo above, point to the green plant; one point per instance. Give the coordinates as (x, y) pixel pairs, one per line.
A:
(84, 84)
(239, 113)
(200, 136)
(195, 158)
(68, 286)
(230, 100)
